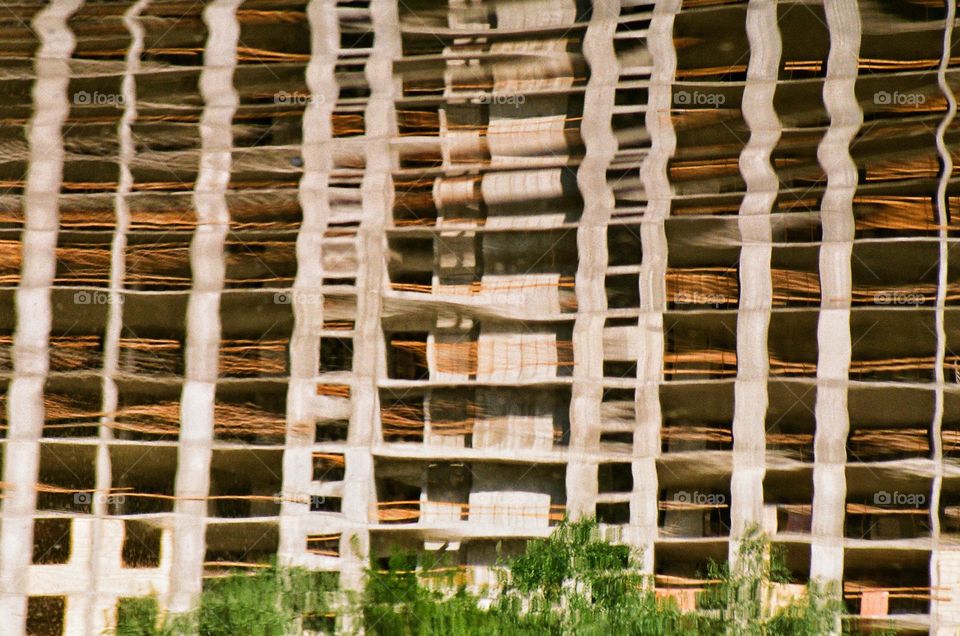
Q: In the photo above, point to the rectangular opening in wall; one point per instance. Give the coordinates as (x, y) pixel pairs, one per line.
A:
(147, 410)
(788, 501)
(11, 253)
(328, 466)
(618, 407)
(793, 561)
(883, 511)
(615, 477)
(527, 418)
(51, 541)
(235, 544)
(407, 355)
(894, 273)
(880, 353)
(624, 245)
(453, 415)
(45, 615)
(700, 346)
(694, 511)
(881, 582)
(790, 422)
(72, 407)
(244, 483)
(619, 369)
(153, 352)
(336, 354)
(69, 469)
(324, 544)
(874, 444)
(141, 545)
(83, 259)
(697, 418)
(623, 291)
(618, 441)
(75, 351)
(398, 500)
(411, 260)
(251, 412)
(331, 431)
(150, 474)
(152, 337)
(402, 418)
(719, 205)
(697, 288)
(686, 563)
(157, 261)
(323, 503)
(261, 357)
(681, 436)
(895, 215)
(252, 262)
(268, 210)
(615, 514)
(163, 211)
(792, 344)
(339, 281)
(795, 274)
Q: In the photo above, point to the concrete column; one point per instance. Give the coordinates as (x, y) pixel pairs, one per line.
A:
(102, 603)
(307, 299)
(203, 310)
(598, 203)
(833, 328)
(653, 273)
(944, 619)
(369, 361)
(753, 317)
(25, 413)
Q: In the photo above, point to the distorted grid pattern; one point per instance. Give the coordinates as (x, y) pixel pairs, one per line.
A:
(315, 280)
